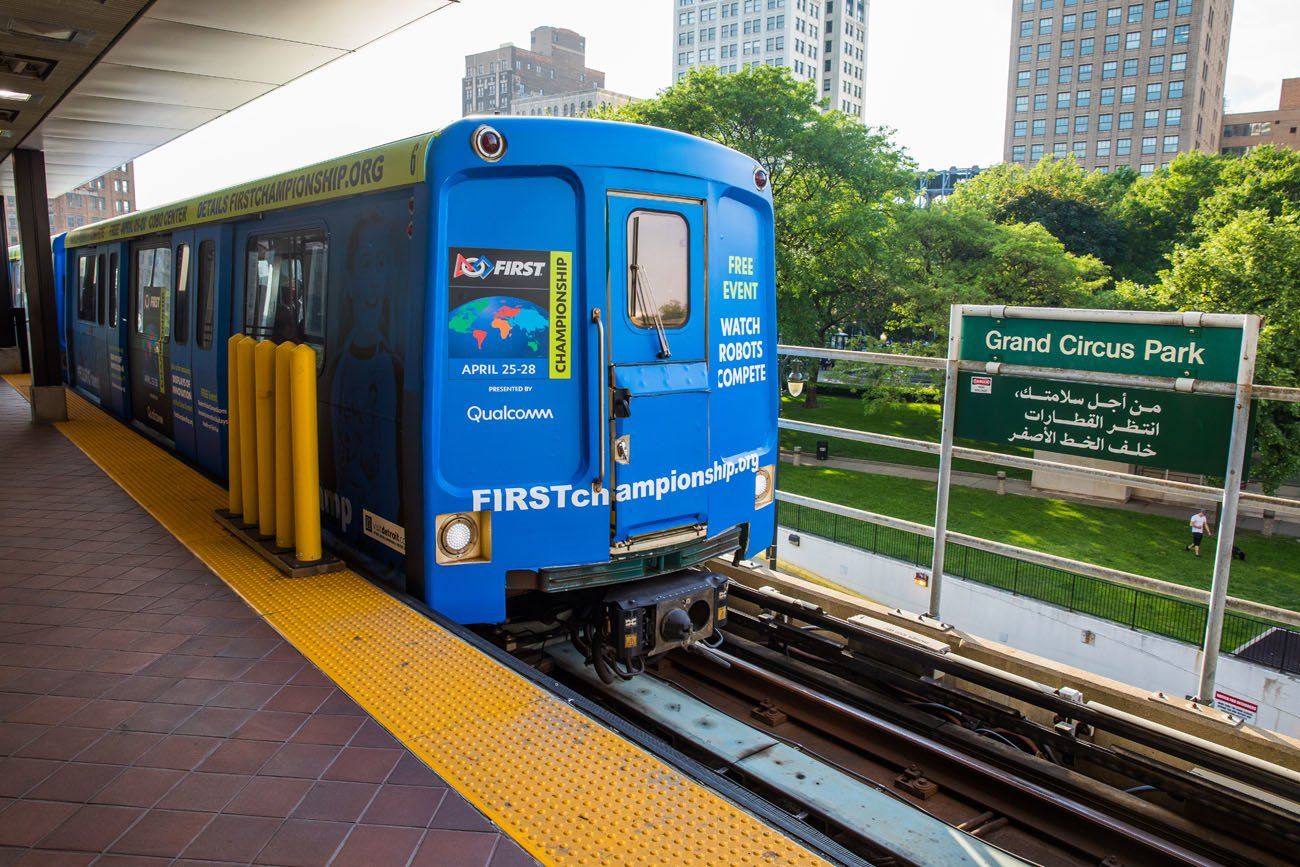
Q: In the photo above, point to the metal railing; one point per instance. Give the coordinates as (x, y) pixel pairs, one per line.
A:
(1258, 640)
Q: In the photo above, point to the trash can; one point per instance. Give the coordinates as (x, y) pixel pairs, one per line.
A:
(823, 449)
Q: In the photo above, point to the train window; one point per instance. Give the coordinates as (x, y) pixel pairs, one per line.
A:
(86, 292)
(153, 277)
(181, 324)
(112, 289)
(205, 297)
(285, 289)
(658, 255)
(101, 287)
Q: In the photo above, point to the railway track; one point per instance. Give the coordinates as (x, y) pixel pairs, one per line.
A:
(858, 733)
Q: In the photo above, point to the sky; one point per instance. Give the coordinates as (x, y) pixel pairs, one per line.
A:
(936, 75)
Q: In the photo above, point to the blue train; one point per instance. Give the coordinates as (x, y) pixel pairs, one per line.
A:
(546, 354)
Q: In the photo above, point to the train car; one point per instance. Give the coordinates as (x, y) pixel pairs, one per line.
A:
(546, 359)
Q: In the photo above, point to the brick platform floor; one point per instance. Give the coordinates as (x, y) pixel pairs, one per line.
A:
(148, 716)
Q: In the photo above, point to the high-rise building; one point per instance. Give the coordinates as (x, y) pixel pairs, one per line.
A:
(1116, 83)
(1243, 132)
(578, 104)
(554, 63)
(822, 41)
(109, 195)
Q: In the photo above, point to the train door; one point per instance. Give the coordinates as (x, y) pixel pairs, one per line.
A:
(181, 361)
(115, 335)
(212, 282)
(659, 399)
(87, 350)
(150, 335)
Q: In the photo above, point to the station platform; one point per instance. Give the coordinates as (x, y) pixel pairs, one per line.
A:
(167, 697)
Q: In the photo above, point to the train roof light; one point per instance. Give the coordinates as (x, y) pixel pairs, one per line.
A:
(489, 144)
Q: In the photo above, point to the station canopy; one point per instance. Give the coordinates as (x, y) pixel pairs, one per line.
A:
(97, 83)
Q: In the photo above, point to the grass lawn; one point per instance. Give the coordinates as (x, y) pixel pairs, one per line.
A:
(915, 420)
(1149, 545)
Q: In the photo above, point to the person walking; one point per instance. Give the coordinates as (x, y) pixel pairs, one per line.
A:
(1200, 527)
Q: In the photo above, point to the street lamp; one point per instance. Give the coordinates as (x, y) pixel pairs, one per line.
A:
(794, 382)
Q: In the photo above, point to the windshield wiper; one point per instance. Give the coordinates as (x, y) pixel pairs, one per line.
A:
(647, 298)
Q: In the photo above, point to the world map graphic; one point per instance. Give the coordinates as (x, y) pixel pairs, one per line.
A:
(499, 327)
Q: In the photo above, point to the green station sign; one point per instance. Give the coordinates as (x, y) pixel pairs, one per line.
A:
(1171, 430)
(1107, 347)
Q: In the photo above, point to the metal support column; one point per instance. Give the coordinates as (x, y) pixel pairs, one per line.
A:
(1228, 513)
(10, 361)
(49, 404)
(945, 456)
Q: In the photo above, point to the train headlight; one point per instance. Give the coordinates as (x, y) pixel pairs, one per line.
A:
(489, 144)
(764, 486)
(463, 538)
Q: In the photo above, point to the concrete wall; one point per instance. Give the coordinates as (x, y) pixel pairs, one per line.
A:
(1079, 486)
(1109, 649)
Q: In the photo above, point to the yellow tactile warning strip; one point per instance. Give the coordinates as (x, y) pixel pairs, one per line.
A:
(564, 787)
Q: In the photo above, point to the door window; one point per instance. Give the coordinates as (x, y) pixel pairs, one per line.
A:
(285, 286)
(181, 327)
(101, 288)
(153, 277)
(205, 293)
(658, 282)
(86, 292)
(112, 289)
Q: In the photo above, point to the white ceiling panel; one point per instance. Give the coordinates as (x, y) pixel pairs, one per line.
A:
(141, 74)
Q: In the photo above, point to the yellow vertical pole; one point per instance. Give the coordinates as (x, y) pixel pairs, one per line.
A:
(264, 391)
(236, 482)
(247, 429)
(306, 468)
(283, 448)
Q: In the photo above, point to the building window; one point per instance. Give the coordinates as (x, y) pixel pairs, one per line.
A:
(1133, 41)
(1080, 149)
(1105, 122)
(1020, 129)
(1159, 36)
(1085, 72)
(1069, 23)
(1123, 147)
(1156, 64)
(1067, 48)
(1063, 99)
(1147, 170)
(1103, 148)
(1041, 76)
(1087, 46)
(1022, 77)
(1111, 43)
(1060, 149)
(1126, 120)
(1108, 96)
(1083, 98)
(1151, 119)
(1174, 117)
(1135, 13)
(1149, 144)
(1130, 67)
(1175, 89)
(1153, 91)
(1044, 51)
(1184, 7)
(285, 288)
(1090, 21)
(1128, 93)
(1161, 9)
(1064, 74)
(1018, 153)
(1044, 26)
(1182, 33)
(1109, 69)
(1025, 6)
(1027, 27)
(1040, 102)
(1022, 102)
(1081, 123)
(1040, 126)
(1026, 53)
(1169, 145)
(1062, 126)
(1035, 152)
(1114, 15)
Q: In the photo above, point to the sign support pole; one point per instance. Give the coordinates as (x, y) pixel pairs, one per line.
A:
(1228, 513)
(951, 369)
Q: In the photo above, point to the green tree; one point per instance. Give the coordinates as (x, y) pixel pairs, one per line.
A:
(1252, 264)
(1267, 178)
(1158, 213)
(1074, 205)
(837, 188)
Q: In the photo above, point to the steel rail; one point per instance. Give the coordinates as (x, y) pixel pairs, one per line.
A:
(1261, 774)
